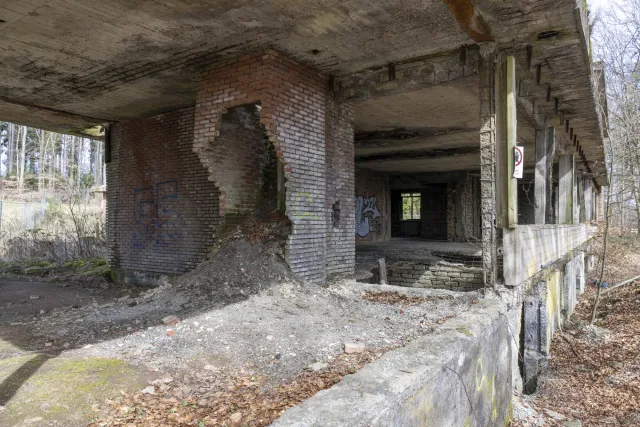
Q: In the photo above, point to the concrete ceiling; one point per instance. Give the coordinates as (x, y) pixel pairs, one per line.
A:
(70, 65)
(122, 59)
(445, 107)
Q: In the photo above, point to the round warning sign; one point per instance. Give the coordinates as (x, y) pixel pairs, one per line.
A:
(518, 163)
(517, 154)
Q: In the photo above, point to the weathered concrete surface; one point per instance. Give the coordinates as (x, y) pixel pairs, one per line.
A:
(82, 62)
(60, 391)
(527, 249)
(466, 361)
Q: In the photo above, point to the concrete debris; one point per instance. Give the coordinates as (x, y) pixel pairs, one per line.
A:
(318, 366)
(32, 297)
(170, 320)
(572, 423)
(351, 347)
(596, 333)
(555, 415)
(149, 390)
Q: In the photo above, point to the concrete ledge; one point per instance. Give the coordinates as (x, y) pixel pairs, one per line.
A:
(460, 375)
(412, 292)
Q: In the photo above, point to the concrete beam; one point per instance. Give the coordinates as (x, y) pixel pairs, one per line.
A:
(422, 161)
(566, 193)
(419, 154)
(420, 180)
(408, 76)
(470, 19)
(403, 140)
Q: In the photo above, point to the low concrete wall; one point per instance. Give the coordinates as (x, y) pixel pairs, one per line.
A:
(460, 375)
(528, 249)
(439, 276)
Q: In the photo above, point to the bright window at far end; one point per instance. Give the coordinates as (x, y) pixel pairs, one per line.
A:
(410, 206)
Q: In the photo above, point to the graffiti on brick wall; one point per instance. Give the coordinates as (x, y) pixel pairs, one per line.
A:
(366, 213)
(158, 222)
(303, 206)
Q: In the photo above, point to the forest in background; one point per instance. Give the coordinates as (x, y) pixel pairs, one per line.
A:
(37, 164)
(52, 195)
(615, 31)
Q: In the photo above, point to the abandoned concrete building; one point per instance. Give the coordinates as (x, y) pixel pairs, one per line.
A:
(461, 141)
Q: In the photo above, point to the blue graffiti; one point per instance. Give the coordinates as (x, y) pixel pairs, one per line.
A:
(159, 223)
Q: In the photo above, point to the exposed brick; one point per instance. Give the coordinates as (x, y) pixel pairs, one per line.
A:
(446, 277)
(162, 210)
(210, 178)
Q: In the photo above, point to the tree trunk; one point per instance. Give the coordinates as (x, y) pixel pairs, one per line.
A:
(10, 148)
(41, 161)
(72, 160)
(23, 158)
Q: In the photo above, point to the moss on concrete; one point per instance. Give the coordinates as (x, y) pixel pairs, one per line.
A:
(464, 330)
(64, 389)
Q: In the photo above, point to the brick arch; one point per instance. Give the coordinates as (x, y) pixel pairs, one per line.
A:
(293, 99)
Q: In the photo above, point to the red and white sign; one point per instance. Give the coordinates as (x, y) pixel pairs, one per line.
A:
(518, 162)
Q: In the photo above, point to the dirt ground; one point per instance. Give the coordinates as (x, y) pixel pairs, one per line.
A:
(593, 374)
(236, 341)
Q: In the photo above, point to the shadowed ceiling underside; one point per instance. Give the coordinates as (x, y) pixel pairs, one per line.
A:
(70, 65)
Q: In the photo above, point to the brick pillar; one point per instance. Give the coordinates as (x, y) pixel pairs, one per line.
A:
(293, 106)
(340, 166)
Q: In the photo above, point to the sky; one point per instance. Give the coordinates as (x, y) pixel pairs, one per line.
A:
(598, 4)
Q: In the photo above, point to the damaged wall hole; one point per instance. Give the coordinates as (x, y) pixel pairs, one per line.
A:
(253, 176)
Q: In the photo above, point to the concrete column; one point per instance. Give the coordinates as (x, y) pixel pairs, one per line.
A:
(570, 288)
(580, 199)
(550, 215)
(577, 196)
(580, 272)
(588, 207)
(543, 175)
(535, 334)
(512, 138)
(488, 182)
(566, 193)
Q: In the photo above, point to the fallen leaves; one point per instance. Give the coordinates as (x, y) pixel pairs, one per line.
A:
(594, 373)
(395, 298)
(240, 401)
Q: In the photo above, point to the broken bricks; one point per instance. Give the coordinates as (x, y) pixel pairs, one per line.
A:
(351, 347)
(170, 320)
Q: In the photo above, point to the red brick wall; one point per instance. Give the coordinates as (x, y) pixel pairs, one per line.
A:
(162, 210)
(207, 165)
(293, 100)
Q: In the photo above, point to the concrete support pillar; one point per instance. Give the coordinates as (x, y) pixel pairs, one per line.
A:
(544, 139)
(566, 193)
(550, 215)
(580, 267)
(535, 335)
(488, 167)
(580, 205)
(506, 137)
(512, 138)
(588, 205)
(570, 288)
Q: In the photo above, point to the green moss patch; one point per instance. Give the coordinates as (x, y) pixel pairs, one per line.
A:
(62, 389)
